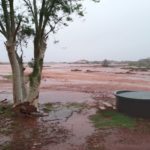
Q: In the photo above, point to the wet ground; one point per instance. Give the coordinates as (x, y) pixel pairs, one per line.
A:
(66, 126)
(69, 98)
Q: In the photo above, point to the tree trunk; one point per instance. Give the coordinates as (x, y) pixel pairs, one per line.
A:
(21, 105)
(35, 77)
(24, 88)
(16, 74)
(22, 77)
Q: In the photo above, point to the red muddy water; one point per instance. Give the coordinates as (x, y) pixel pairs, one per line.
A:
(69, 128)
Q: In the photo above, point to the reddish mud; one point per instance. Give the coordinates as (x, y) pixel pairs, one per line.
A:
(64, 129)
(120, 139)
(69, 128)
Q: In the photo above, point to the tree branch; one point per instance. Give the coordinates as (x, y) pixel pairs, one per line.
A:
(35, 14)
(6, 17)
(52, 28)
(3, 30)
(17, 28)
(41, 14)
(12, 16)
(47, 16)
(29, 5)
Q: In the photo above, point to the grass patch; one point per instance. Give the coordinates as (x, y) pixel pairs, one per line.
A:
(48, 107)
(77, 105)
(112, 119)
(6, 111)
(5, 146)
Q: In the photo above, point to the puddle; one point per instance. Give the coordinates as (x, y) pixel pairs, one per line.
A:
(60, 114)
(54, 132)
(56, 96)
(79, 127)
(6, 95)
(64, 97)
(65, 128)
(28, 134)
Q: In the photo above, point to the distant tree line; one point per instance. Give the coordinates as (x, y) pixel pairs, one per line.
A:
(141, 63)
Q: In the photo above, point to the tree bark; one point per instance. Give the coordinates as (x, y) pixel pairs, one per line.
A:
(22, 77)
(16, 74)
(35, 77)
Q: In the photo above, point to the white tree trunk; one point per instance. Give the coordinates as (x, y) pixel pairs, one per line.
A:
(16, 75)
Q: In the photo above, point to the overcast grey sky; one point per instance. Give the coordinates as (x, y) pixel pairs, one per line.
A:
(112, 29)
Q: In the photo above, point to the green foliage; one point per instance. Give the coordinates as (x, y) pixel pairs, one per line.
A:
(140, 63)
(27, 30)
(13, 22)
(110, 119)
(48, 16)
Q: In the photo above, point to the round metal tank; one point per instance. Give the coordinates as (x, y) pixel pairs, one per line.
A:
(133, 103)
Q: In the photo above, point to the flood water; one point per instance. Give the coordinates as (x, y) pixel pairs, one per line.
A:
(65, 128)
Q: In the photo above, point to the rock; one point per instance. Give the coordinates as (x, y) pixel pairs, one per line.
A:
(108, 105)
(114, 107)
(102, 108)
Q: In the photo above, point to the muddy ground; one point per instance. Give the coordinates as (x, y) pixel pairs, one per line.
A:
(70, 94)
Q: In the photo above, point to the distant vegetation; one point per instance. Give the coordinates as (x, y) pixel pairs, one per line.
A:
(140, 63)
(105, 63)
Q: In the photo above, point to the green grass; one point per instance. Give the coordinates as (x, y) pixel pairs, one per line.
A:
(77, 105)
(48, 107)
(111, 119)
